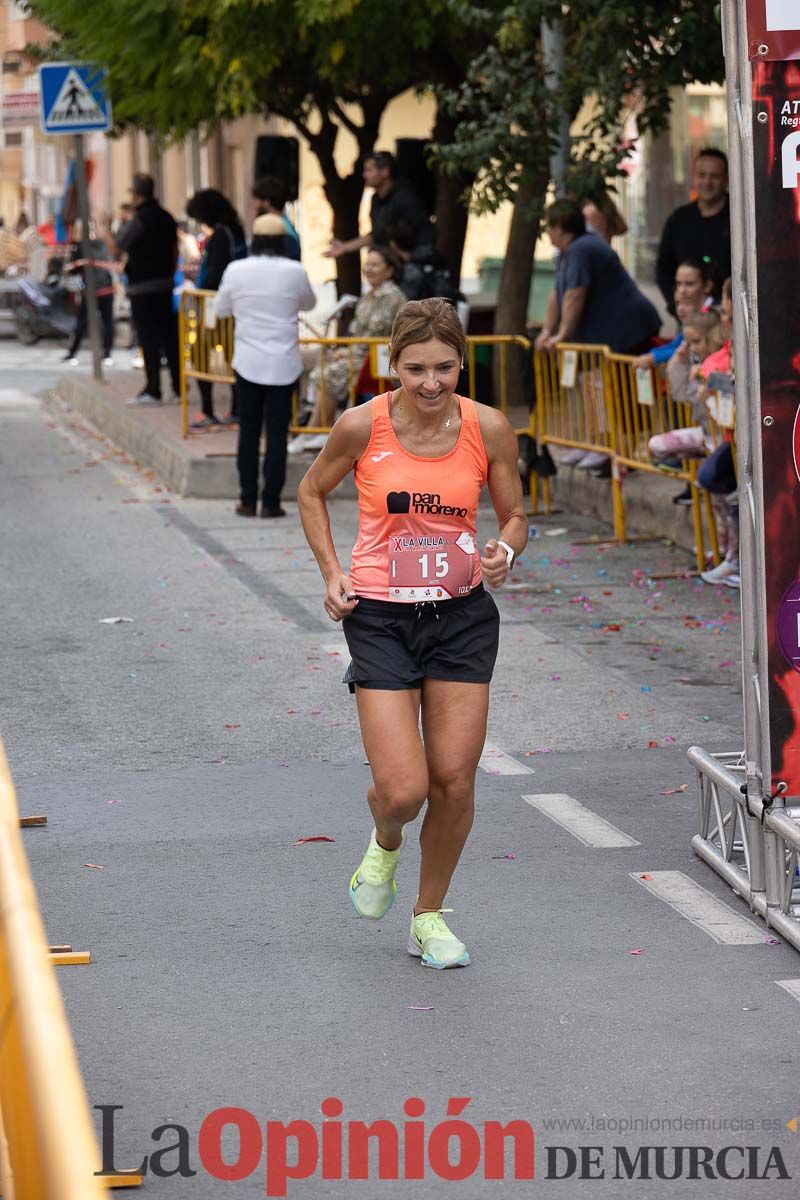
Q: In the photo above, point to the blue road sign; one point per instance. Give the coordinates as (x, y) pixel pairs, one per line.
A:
(74, 98)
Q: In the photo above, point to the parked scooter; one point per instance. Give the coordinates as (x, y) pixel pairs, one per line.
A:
(47, 309)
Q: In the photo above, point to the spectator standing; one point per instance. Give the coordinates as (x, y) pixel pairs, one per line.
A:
(189, 253)
(594, 299)
(700, 230)
(270, 196)
(150, 241)
(393, 201)
(225, 242)
(604, 218)
(265, 293)
(104, 291)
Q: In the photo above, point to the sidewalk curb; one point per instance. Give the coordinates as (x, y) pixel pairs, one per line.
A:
(176, 462)
(648, 498)
(649, 510)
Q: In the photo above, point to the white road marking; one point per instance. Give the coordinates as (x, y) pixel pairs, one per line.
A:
(580, 821)
(496, 762)
(14, 398)
(792, 986)
(703, 909)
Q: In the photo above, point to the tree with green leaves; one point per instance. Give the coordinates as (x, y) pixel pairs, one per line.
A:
(619, 56)
(327, 66)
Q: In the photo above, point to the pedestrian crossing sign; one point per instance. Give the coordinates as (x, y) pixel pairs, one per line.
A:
(74, 98)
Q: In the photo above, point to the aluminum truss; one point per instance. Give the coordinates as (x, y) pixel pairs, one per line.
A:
(748, 834)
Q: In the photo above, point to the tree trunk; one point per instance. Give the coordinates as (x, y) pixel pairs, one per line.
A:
(452, 212)
(516, 277)
(343, 193)
(344, 197)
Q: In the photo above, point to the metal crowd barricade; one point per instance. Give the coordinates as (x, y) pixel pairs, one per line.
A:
(48, 1149)
(574, 410)
(643, 410)
(591, 399)
(206, 353)
(355, 350)
(206, 345)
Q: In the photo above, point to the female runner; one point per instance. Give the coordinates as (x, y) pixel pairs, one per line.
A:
(421, 630)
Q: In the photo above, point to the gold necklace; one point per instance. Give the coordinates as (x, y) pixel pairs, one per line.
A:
(445, 425)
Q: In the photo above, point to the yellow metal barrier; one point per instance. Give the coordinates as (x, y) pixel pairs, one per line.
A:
(591, 399)
(572, 410)
(206, 345)
(48, 1149)
(207, 351)
(332, 351)
(643, 411)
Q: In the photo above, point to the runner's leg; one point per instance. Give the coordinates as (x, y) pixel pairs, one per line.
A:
(390, 731)
(454, 727)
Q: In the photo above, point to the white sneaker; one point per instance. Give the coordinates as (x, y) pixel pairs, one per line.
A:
(108, 362)
(432, 940)
(73, 362)
(316, 441)
(720, 574)
(592, 460)
(298, 444)
(144, 398)
(733, 581)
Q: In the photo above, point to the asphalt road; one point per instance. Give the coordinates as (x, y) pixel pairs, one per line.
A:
(186, 749)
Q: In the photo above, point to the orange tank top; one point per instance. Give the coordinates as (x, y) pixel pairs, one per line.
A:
(417, 536)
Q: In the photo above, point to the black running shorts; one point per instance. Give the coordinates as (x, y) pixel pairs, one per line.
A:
(395, 646)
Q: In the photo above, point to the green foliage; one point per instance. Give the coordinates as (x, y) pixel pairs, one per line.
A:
(176, 64)
(625, 54)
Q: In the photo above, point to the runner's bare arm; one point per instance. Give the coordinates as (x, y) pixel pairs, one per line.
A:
(505, 489)
(346, 443)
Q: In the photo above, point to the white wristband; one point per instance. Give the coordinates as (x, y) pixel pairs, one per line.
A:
(511, 553)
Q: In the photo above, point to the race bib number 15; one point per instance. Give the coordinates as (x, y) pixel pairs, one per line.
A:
(430, 568)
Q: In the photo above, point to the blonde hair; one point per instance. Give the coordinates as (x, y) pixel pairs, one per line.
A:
(426, 321)
(707, 324)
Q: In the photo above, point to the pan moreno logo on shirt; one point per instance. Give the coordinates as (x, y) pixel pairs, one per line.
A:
(422, 502)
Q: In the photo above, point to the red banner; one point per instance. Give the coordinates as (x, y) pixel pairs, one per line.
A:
(773, 29)
(776, 135)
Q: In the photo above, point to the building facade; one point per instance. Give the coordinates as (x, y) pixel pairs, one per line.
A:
(33, 167)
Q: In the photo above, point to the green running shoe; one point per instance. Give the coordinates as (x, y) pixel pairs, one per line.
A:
(432, 941)
(372, 888)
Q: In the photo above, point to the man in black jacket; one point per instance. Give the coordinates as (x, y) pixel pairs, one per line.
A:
(393, 201)
(700, 230)
(150, 241)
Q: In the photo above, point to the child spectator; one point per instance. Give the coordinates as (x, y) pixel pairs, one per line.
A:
(702, 337)
(718, 473)
(662, 354)
(697, 283)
